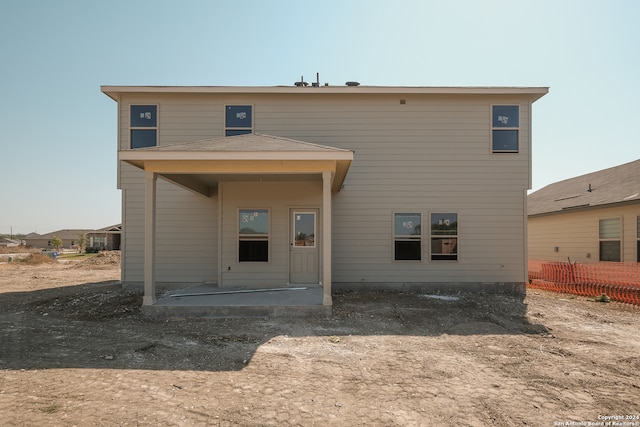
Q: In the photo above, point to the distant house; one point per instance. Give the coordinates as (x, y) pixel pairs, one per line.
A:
(107, 238)
(345, 186)
(4, 242)
(70, 239)
(590, 218)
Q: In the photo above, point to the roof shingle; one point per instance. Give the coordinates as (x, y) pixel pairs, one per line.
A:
(243, 143)
(619, 184)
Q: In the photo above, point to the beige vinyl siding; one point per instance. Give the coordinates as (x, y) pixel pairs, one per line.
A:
(576, 234)
(490, 244)
(180, 119)
(186, 238)
(432, 154)
(132, 245)
(424, 156)
(278, 198)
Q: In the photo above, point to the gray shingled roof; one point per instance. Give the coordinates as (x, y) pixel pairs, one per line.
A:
(620, 184)
(247, 142)
(67, 234)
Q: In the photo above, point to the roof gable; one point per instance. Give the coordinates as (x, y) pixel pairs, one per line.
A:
(116, 228)
(620, 184)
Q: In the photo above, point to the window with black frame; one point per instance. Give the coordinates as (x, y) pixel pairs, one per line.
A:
(143, 126)
(444, 236)
(407, 237)
(238, 120)
(505, 128)
(253, 235)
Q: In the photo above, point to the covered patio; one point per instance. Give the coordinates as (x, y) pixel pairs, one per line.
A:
(203, 167)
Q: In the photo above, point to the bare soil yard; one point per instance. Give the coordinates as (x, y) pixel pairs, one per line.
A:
(74, 351)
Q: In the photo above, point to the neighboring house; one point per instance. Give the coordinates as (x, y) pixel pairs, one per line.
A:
(107, 238)
(590, 218)
(4, 242)
(344, 187)
(70, 239)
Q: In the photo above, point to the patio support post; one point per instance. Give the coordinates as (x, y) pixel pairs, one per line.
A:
(150, 180)
(326, 237)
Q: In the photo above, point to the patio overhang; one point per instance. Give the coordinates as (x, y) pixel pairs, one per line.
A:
(199, 166)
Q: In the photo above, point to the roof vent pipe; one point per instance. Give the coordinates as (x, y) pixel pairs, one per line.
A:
(301, 82)
(352, 83)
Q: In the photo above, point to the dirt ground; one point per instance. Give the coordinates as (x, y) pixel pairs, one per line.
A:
(74, 351)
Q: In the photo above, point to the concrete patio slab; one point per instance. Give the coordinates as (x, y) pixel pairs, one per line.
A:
(207, 301)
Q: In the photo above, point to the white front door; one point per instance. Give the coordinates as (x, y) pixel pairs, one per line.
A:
(303, 247)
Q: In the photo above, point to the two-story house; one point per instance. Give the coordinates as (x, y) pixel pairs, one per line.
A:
(330, 186)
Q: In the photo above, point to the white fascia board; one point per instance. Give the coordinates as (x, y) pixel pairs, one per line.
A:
(533, 92)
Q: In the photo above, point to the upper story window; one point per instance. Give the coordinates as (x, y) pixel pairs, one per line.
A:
(144, 126)
(238, 120)
(505, 128)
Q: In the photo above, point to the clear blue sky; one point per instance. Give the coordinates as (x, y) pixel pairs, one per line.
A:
(58, 131)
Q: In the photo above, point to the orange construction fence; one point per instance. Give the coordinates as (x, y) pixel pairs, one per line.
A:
(620, 281)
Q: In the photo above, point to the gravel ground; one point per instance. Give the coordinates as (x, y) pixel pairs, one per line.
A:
(75, 351)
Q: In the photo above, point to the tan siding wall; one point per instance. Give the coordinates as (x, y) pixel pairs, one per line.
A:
(186, 238)
(426, 156)
(432, 154)
(278, 198)
(181, 118)
(490, 244)
(576, 234)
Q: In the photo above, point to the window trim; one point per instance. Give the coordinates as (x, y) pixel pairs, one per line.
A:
(503, 128)
(253, 237)
(611, 239)
(398, 237)
(237, 128)
(156, 128)
(439, 236)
